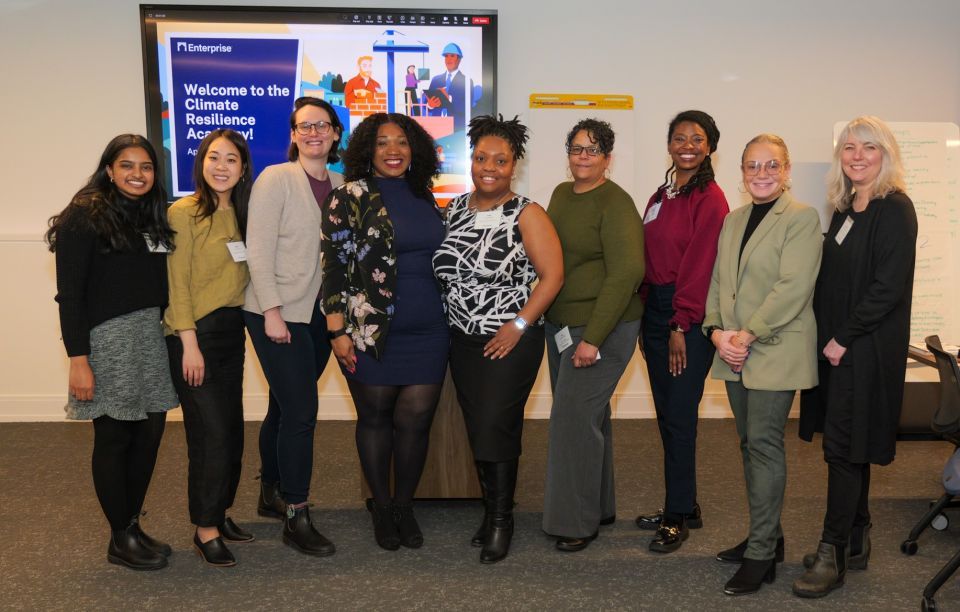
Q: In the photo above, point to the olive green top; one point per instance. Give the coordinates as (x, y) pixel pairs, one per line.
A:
(602, 237)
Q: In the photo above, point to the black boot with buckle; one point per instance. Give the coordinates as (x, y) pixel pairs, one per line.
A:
(671, 534)
(300, 534)
(501, 485)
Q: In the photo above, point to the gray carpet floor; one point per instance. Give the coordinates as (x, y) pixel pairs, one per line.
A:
(54, 537)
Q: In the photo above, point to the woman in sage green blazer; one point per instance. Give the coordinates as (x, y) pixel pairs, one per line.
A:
(760, 317)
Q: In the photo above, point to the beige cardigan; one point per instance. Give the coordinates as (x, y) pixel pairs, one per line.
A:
(283, 243)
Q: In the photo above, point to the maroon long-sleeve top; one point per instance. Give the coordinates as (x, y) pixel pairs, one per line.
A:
(680, 246)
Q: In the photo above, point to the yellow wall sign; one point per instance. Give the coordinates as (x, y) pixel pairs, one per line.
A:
(582, 101)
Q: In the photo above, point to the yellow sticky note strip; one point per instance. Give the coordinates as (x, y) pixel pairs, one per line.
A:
(582, 101)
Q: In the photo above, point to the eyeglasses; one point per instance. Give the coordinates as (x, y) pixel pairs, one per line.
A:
(752, 168)
(321, 127)
(578, 149)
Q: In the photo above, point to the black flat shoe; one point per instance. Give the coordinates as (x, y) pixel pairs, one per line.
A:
(652, 521)
(735, 554)
(126, 549)
(750, 576)
(670, 536)
(214, 552)
(231, 532)
(161, 548)
(565, 544)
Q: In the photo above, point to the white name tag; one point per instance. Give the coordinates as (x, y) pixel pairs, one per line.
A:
(652, 213)
(238, 250)
(563, 339)
(154, 248)
(844, 230)
(487, 219)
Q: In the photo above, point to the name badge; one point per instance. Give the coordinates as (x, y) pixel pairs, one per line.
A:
(652, 213)
(154, 248)
(238, 250)
(844, 230)
(563, 339)
(487, 219)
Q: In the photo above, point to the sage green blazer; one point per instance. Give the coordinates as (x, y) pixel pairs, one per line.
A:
(768, 290)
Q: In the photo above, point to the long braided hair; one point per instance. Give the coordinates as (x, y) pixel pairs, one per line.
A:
(704, 173)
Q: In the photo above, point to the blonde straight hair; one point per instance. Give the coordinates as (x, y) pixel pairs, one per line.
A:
(870, 129)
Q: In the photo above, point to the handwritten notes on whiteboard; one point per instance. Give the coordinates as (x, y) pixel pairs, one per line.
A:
(931, 162)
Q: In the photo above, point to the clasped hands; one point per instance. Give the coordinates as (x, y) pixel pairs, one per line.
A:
(733, 347)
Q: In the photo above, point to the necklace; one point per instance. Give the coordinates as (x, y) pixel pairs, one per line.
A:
(471, 206)
(671, 191)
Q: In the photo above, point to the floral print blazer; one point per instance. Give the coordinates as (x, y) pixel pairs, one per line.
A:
(359, 263)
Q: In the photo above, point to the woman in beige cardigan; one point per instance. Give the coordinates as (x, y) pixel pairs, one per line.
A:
(282, 314)
(760, 317)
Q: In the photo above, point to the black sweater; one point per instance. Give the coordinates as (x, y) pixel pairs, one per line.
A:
(95, 283)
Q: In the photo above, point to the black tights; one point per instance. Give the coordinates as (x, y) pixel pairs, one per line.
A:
(124, 453)
(393, 423)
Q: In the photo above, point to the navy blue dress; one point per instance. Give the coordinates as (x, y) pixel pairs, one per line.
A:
(418, 342)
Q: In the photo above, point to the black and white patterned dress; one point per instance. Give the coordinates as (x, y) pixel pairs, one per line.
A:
(485, 273)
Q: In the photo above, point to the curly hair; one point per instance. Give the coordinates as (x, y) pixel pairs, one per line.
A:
(239, 195)
(424, 164)
(512, 131)
(599, 132)
(98, 206)
(704, 173)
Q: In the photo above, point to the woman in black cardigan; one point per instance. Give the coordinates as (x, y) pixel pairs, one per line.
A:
(862, 305)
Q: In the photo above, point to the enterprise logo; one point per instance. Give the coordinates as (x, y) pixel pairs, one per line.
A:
(188, 47)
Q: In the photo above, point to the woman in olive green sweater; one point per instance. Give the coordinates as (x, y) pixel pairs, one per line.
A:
(597, 314)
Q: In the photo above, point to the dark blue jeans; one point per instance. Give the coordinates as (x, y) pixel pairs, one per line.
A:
(292, 371)
(677, 398)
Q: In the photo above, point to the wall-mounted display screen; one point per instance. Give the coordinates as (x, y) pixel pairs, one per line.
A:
(242, 67)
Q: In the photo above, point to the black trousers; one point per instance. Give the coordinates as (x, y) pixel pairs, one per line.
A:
(848, 484)
(292, 370)
(493, 392)
(124, 455)
(213, 415)
(676, 398)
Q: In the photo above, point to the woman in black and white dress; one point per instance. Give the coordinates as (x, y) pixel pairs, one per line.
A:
(498, 243)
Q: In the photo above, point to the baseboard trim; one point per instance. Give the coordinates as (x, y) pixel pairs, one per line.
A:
(339, 407)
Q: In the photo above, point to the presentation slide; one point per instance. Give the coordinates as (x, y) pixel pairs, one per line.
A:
(243, 69)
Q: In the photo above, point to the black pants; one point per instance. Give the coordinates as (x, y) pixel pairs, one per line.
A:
(493, 392)
(676, 398)
(292, 371)
(848, 483)
(124, 454)
(213, 415)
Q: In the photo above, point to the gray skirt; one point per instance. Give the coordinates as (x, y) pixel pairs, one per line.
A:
(131, 374)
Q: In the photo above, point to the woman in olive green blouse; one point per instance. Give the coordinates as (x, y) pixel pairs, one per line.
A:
(207, 272)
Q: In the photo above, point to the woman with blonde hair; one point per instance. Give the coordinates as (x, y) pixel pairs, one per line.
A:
(862, 305)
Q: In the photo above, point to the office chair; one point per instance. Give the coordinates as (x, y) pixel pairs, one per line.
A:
(945, 424)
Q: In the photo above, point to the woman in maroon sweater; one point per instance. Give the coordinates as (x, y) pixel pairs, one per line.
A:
(682, 222)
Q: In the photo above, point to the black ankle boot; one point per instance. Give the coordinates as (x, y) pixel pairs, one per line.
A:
(501, 484)
(300, 534)
(126, 549)
(270, 503)
(152, 544)
(826, 574)
(481, 534)
(410, 534)
(859, 547)
(671, 534)
(735, 554)
(384, 526)
(750, 576)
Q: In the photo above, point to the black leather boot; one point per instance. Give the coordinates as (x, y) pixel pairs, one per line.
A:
(126, 549)
(271, 504)
(735, 554)
(161, 548)
(300, 534)
(750, 576)
(827, 573)
(501, 485)
(410, 534)
(384, 526)
(481, 534)
(671, 534)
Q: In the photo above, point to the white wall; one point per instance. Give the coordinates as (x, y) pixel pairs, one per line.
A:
(72, 79)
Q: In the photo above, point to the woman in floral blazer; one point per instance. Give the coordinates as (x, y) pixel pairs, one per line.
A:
(384, 309)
